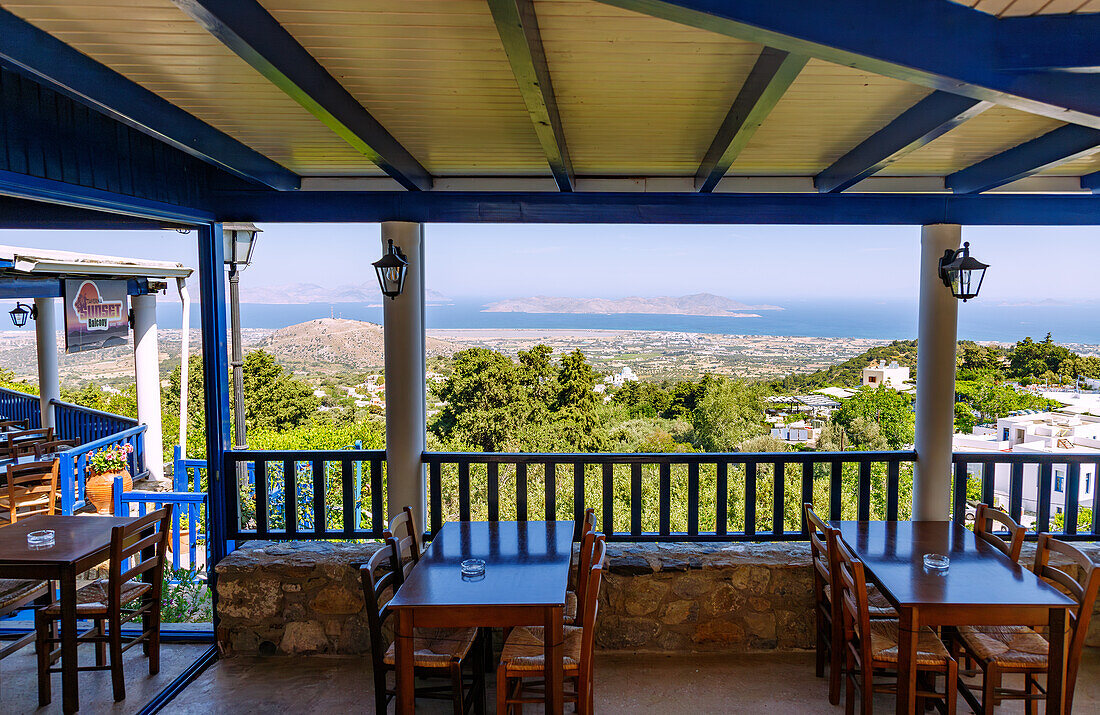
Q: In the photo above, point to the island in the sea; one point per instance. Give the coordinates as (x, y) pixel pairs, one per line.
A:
(697, 304)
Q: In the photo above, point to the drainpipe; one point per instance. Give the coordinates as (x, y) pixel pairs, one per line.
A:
(45, 333)
(147, 376)
(937, 333)
(403, 328)
(185, 353)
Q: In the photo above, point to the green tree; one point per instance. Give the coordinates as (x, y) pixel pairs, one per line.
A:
(1031, 359)
(485, 404)
(274, 399)
(878, 418)
(729, 413)
(577, 417)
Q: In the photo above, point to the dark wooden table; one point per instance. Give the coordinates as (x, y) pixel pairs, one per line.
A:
(982, 587)
(526, 576)
(81, 542)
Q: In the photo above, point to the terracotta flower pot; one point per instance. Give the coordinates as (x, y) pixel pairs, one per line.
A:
(99, 490)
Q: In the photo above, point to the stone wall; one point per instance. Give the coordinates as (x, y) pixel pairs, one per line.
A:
(305, 597)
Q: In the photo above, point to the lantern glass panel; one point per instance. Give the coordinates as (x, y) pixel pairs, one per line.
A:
(19, 316)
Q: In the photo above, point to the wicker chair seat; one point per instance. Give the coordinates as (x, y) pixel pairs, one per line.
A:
(569, 613)
(436, 647)
(92, 599)
(884, 644)
(877, 605)
(1007, 646)
(15, 590)
(524, 651)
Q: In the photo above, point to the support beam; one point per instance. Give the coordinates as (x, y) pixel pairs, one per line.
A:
(46, 59)
(1092, 182)
(45, 333)
(932, 117)
(768, 80)
(1077, 50)
(246, 28)
(937, 331)
(518, 28)
(403, 353)
(938, 44)
(147, 379)
(1051, 149)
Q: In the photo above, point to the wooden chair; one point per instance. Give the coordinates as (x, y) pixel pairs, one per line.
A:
(439, 652)
(522, 662)
(575, 594)
(31, 489)
(13, 425)
(1019, 649)
(19, 593)
(983, 529)
(137, 549)
(403, 528)
(871, 646)
(42, 449)
(21, 443)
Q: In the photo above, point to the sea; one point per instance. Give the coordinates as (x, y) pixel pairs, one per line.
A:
(1077, 323)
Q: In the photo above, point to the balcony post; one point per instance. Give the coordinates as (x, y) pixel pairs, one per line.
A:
(45, 333)
(403, 325)
(937, 332)
(147, 377)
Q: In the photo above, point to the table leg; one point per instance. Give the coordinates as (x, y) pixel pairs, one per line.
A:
(908, 626)
(1056, 663)
(403, 643)
(552, 645)
(70, 696)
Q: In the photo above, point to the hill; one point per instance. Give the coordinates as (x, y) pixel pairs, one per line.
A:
(335, 344)
(849, 372)
(697, 304)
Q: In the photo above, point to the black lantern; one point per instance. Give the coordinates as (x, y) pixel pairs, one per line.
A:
(961, 273)
(391, 271)
(20, 312)
(239, 241)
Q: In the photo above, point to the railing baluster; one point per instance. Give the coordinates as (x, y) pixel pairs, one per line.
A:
(578, 496)
(320, 521)
(608, 498)
(1069, 514)
(290, 496)
(958, 502)
(988, 482)
(864, 491)
(665, 497)
(550, 488)
(350, 519)
(1042, 521)
(807, 493)
(436, 498)
(693, 499)
(492, 471)
(893, 470)
(521, 491)
(1016, 491)
(750, 497)
(636, 499)
(464, 490)
(261, 499)
(721, 488)
(377, 494)
(836, 475)
(779, 497)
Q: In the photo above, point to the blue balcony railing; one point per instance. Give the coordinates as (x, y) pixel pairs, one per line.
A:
(84, 424)
(73, 470)
(188, 540)
(15, 405)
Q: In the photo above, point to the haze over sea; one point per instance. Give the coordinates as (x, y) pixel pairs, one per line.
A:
(881, 319)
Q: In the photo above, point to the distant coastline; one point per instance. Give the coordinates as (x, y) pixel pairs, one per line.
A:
(699, 304)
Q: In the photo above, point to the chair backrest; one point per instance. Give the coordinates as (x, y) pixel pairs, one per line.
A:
(591, 605)
(31, 489)
(821, 537)
(41, 449)
(852, 584)
(403, 528)
(137, 548)
(22, 442)
(588, 523)
(14, 425)
(1083, 590)
(584, 565)
(375, 588)
(983, 529)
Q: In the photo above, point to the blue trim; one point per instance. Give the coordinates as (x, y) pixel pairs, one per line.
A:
(45, 58)
(1051, 149)
(13, 285)
(59, 192)
(1077, 48)
(774, 71)
(935, 43)
(518, 28)
(662, 208)
(932, 117)
(250, 31)
(24, 214)
(1091, 181)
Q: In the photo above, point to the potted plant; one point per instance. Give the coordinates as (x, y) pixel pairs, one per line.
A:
(102, 468)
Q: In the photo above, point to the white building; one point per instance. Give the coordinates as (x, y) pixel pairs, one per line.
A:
(1038, 433)
(796, 432)
(618, 379)
(880, 374)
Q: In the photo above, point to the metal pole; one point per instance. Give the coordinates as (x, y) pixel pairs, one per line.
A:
(49, 386)
(237, 363)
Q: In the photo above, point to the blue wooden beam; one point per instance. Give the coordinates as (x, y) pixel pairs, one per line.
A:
(22, 214)
(935, 43)
(1091, 181)
(1051, 149)
(518, 28)
(44, 58)
(933, 116)
(660, 208)
(250, 31)
(768, 80)
(1077, 48)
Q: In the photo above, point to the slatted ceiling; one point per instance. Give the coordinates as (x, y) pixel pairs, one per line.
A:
(828, 110)
(991, 132)
(638, 95)
(153, 43)
(1077, 167)
(1016, 8)
(433, 72)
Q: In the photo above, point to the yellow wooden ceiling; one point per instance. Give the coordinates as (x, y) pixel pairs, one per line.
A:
(1017, 8)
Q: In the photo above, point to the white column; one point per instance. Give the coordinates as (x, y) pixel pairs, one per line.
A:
(937, 333)
(147, 376)
(403, 323)
(45, 332)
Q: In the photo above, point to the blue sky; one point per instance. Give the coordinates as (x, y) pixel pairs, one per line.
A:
(1029, 264)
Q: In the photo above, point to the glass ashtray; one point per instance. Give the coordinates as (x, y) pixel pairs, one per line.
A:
(43, 539)
(472, 568)
(936, 562)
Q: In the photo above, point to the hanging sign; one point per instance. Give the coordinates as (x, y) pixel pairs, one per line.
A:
(95, 314)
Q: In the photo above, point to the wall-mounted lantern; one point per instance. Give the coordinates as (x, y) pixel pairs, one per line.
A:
(239, 243)
(391, 271)
(962, 273)
(20, 312)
